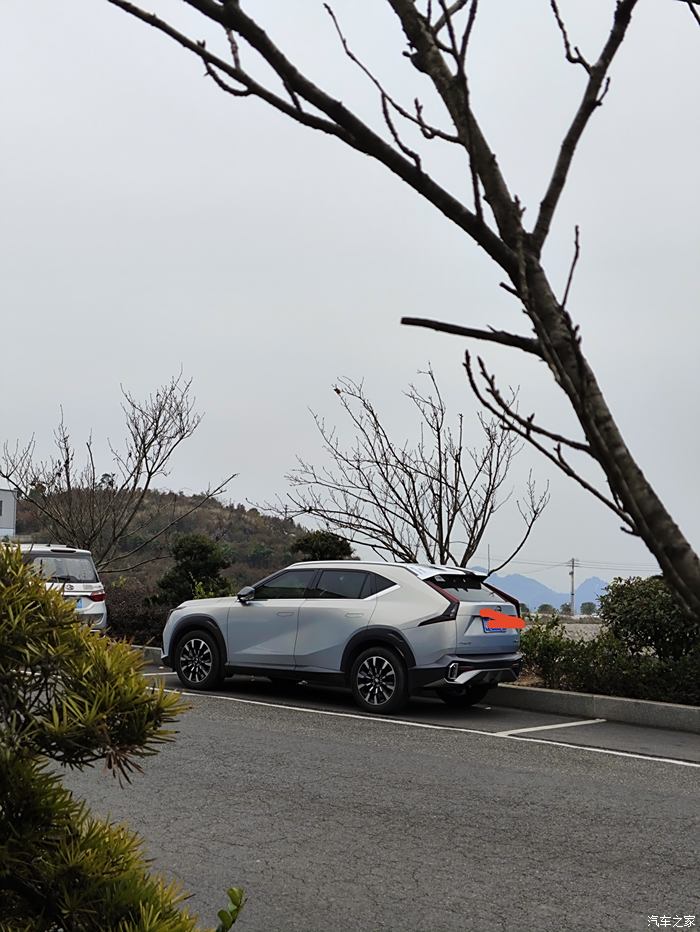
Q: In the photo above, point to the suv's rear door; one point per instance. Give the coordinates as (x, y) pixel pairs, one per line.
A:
(474, 636)
(340, 603)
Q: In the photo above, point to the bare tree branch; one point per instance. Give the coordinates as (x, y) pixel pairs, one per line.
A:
(432, 500)
(526, 344)
(101, 512)
(512, 422)
(596, 88)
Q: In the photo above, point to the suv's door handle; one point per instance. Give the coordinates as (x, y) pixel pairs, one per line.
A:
(354, 614)
(285, 613)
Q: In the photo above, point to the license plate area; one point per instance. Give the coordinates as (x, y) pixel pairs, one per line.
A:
(487, 630)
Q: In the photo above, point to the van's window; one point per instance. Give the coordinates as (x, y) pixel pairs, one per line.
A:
(64, 567)
(463, 586)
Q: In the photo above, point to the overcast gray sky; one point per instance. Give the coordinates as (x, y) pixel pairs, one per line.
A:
(150, 221)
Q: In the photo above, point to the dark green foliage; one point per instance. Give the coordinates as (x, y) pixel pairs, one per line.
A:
(197, 571)
(604, 665)
(322, 545)
(565, 609)
(546, 609)
(644, 615)
(588, 608)
(131, 613)
(71, 697)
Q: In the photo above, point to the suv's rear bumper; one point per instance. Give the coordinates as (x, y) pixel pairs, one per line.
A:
(460, 669)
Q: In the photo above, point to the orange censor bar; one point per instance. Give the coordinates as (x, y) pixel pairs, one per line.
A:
(499, 620)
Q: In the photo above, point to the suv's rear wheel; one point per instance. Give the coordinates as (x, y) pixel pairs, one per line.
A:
(379, 680)
(198, 660)
(462, 696)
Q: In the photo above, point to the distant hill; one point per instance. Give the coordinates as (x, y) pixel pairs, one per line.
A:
(256, 543)
(534, 593)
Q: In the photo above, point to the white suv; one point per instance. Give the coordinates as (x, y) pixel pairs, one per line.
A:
(73, 572)
(383, 629)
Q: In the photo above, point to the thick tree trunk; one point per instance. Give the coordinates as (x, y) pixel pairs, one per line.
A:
(677, 559)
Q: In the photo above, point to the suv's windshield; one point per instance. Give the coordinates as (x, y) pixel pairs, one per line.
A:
(464, 586)
(64, 567)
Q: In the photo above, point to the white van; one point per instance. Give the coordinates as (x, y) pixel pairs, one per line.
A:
(73, 572)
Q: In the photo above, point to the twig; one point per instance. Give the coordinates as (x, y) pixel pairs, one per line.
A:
(573, 55)
(572, 269)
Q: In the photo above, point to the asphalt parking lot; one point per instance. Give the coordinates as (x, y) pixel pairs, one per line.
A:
(437, 820)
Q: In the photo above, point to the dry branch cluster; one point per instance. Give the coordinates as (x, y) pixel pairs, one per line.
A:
(432, 500)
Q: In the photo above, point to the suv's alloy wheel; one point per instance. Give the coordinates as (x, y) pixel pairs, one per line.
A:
(197, 661)
(379, 680)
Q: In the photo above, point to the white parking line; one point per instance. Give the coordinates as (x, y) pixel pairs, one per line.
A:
(519, 731)
(404, 723)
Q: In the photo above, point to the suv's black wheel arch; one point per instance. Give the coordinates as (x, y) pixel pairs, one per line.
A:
(199, 623)
(375, 637)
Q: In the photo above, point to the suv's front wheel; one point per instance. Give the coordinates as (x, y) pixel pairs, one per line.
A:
(379, 680)
(198, 661)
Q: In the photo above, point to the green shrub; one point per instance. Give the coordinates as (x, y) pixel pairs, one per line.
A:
(198, 559)
(321, 545)
(132, 615)
(72, 698)
(604, 665)
(644, 615)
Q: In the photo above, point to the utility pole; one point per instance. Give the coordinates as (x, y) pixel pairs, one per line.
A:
(572, 602)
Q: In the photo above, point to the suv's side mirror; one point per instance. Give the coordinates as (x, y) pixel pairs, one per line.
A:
(246, 594)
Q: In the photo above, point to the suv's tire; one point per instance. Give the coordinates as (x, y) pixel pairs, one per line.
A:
(379, 680)
(462, 696)
(198, 660)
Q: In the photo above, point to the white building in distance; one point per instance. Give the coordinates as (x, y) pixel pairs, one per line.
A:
(8, 513)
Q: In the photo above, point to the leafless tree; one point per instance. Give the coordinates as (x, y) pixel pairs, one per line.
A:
(87, 507)
(437, 35)
(430, 501)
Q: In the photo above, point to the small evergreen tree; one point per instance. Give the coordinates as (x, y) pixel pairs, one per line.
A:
(197, 571)
(72, 698)
(322, 545)
(588, 608)
(546, 609)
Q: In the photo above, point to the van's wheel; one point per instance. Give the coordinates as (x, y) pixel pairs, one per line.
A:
(379, 680)
(198, 661)
(462, 696)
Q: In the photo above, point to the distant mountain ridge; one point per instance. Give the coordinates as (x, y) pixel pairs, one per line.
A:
(534, 593)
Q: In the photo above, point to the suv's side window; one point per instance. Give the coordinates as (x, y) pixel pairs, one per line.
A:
(381, 583)
(291, 584)
(341, 584)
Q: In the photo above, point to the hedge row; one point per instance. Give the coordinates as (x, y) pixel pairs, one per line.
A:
(604, 665)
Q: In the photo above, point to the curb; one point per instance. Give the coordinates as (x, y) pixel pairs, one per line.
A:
(150, 654)
(590, 705)
(557, 701)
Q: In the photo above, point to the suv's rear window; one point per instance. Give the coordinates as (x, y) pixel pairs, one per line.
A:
(63, 567)
(463, 586)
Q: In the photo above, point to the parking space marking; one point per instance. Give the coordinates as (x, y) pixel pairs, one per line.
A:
(518, 731)
(405, 723)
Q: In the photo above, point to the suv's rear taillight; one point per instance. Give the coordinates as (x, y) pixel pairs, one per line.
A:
(97, 596)
(450, 612)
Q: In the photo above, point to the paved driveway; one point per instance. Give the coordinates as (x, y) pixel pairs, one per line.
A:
(435, 822)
